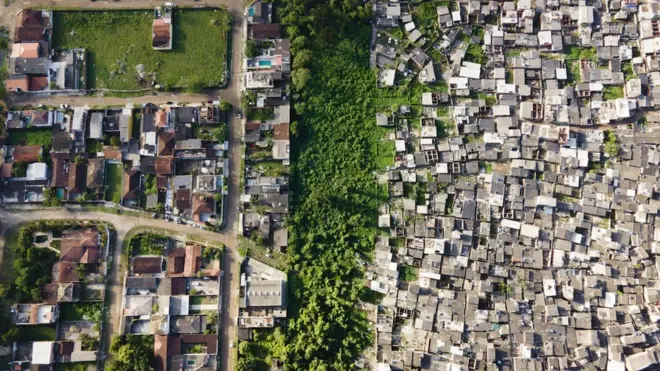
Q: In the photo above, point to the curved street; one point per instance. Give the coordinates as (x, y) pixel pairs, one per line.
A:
(126, 224)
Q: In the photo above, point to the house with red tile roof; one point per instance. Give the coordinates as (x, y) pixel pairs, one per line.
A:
(203, 207)
(27, 153)
(80, 246)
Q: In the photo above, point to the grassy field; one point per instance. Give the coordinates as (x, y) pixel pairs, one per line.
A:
(118, 41)
(31, 137)
(113, 173)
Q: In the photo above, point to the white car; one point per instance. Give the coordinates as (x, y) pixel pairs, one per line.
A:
(231, 344)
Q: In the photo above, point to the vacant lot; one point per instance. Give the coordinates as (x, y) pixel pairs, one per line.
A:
(80, 311)
(119, 41)
(31, 137)
(113, 173)
(36, 333)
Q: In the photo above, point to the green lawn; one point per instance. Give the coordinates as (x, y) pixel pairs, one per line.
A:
(199, 300)
(80, 311)
(118, 41)
(272, 168)
(113, 173)
(36, 333)
(31, 137)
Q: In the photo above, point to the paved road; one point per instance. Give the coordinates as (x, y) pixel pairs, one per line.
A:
(124, 224)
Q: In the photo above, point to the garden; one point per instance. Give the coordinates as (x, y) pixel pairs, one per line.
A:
(81, 311)
(120, 55)
(31, 137)
(113, 174)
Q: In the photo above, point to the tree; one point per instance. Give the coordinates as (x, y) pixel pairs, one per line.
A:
(19, 169)
(160, 208)
(114, 141)
(217, 197)
(302, 59)
(300, 77)
(611, 144)
(251, 49)
(225, 106)
(80, 160)
(243, 348)
(131, 353)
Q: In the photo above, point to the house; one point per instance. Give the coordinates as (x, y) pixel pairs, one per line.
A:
(130, 187)
(203, 208)
(170, 354)
(80, 246)
(166, 140)
(162, 28)
(184, 262)
(17, 83)
(76, 185)
(147, 265)
(60, 172)
(26, 153)
(164, 165)
(265, 31)
(95, 173)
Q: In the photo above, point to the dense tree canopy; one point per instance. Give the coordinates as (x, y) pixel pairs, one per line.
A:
(335, 196)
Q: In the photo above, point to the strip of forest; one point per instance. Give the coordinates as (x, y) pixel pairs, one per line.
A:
(335, 197)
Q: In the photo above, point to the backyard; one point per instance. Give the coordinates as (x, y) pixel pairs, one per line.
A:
(119, 42)
(113, 173)
(36, 333)
(80, 311)
(31, 137)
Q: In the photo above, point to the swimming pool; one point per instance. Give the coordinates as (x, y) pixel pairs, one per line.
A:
(264, 63)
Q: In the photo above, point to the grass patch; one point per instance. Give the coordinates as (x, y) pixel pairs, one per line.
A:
(612, 92)
(201, 300)
(407, 273)
(36, 333)
(113, 174)
(575, 52)
(147, 244)
(475, 53)
(247, 247)
(272, 168)
(118, 41)
(80, 311)
(384, 154)
(31, 137)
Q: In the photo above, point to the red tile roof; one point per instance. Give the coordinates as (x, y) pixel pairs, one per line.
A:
(184, 262)
(164, 165)
(38, 83)
(61, 164)
(166, 143)
(142, 265)
(80, 246)
(26, 34)
(202, 204)
(131, 184)
(65, 272)
(27, 153)
(16, 83)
